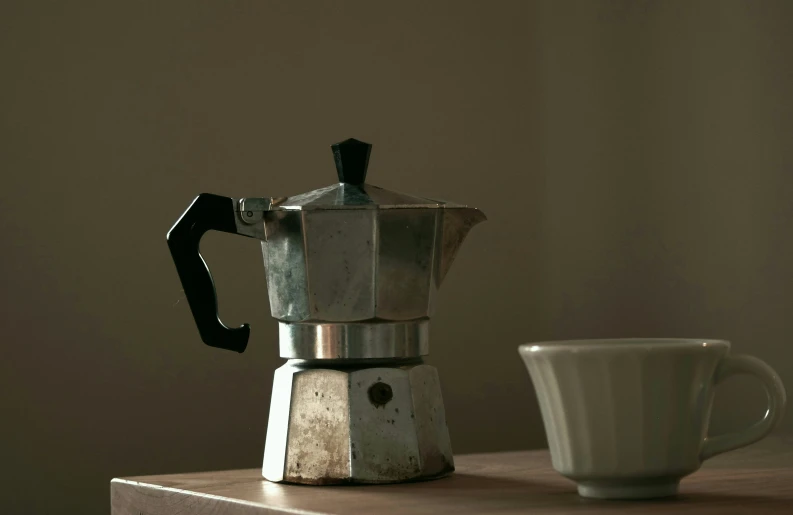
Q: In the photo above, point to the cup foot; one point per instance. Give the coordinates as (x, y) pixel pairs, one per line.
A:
(628, 490)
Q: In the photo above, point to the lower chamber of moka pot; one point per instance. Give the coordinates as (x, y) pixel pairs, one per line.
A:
(358, 423)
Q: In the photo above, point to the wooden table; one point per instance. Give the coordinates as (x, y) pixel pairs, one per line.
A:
(758, 479)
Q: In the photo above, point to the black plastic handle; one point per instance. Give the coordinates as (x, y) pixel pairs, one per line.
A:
(207, 212)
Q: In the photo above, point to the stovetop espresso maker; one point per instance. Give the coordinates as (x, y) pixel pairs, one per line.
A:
(352, 272)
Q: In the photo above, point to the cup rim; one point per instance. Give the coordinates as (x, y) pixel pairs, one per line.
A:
(627, 343)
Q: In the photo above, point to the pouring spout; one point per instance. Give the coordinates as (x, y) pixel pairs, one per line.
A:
(457, 222)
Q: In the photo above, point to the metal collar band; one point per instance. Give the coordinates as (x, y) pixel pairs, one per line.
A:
(354, 340)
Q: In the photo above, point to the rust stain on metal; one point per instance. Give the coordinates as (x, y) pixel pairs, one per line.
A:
(319, 436)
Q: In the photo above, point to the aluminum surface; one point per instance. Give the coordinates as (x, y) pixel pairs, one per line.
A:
(356, 265)
(347, 426)
(355, 196)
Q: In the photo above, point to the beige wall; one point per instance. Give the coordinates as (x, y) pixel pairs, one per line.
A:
(634, 159)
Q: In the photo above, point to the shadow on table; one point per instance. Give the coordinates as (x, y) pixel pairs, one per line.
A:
(556, 494)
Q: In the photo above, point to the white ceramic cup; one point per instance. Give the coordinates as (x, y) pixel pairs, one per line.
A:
(628, 418)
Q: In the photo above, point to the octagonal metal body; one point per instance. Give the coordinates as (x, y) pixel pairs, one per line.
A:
(352, 265)
(381, 424)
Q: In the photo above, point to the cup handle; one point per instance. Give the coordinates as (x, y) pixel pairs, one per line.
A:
(775, 390)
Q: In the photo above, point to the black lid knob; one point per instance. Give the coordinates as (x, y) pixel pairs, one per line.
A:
(352, 159)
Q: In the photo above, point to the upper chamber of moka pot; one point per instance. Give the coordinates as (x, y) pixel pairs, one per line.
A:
(356, 253)
(352, 269)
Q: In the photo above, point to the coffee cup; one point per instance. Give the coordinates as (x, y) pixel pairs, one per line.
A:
(628, 418)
